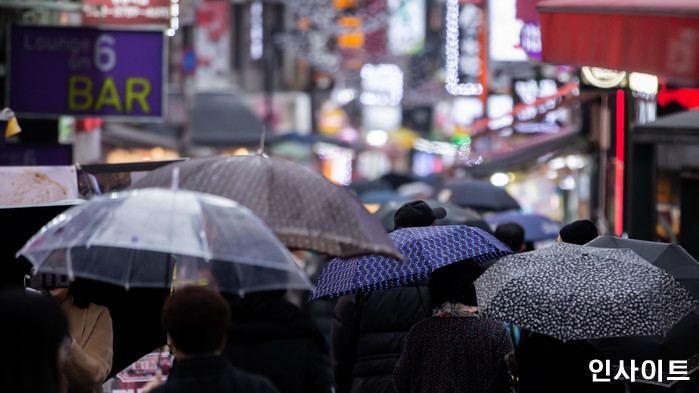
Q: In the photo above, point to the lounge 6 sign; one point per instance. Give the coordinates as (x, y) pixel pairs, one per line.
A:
(82, 71)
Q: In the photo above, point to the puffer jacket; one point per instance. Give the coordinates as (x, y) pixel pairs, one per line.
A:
(368, 333)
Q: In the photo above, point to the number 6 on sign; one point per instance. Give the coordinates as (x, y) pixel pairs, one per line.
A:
(105, 57)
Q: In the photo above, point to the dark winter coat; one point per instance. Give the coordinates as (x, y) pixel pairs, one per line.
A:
(457, 355)
(548, 365)
(368, 334)
(271, 337)
(211, 374)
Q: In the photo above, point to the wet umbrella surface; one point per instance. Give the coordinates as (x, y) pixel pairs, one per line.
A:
(305, 210)
(573, 292)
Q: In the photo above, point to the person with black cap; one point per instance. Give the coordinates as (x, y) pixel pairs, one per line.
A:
(512, 234)
(369, 329)
(417, 214)
(578, 232)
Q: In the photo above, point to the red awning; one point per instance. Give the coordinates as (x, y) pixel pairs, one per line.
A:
(658, 37)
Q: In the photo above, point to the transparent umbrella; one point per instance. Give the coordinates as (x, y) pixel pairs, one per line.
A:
(160, 238)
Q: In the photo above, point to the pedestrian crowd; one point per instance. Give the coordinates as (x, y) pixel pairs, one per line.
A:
(429, 337)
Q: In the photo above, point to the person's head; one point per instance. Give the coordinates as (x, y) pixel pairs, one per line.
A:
(417, 214)
(578, 232)
(454, 283)
(35, 342)
(196, 319)
(512, 234)
(61, 289)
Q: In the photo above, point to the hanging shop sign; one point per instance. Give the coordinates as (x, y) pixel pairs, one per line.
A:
(87, 72)
(127, 12)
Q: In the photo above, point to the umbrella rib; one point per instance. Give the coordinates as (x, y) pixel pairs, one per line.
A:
(129, 272)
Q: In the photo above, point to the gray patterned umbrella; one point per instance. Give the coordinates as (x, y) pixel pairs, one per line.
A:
(573, 292)
(305, 210)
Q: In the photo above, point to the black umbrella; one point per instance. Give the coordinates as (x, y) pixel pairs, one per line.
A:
(396, 179)
(22, 222)
(359, 187)
(478, 194)
(681, 342)
(670, 257)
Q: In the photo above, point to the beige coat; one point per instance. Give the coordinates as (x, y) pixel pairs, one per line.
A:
(90, 358)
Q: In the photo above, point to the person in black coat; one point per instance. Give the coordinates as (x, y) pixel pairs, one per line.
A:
(272, 337)
(196, 320)
(369, 330)
(368, 334)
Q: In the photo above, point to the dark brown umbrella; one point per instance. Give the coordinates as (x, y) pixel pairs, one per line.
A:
(305, 210)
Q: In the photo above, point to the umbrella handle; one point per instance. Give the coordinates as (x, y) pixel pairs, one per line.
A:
(419, 294)
(261, 150)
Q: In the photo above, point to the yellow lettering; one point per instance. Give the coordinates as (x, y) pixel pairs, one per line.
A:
(108, 95)
(140, 95)
(74, 91)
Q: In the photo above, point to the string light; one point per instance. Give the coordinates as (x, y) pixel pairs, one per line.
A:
(452, 53)
(256, 31)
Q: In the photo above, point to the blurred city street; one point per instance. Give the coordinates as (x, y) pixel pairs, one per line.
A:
(320, 120)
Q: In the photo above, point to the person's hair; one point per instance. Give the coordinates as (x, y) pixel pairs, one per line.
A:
(80, 293)
(454, 283)
(512, 234)
(579, 232)
(197, 319)
(32, 332)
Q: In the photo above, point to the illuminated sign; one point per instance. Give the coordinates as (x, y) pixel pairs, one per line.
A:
(530, 40)
(82, 71)
(504, 29)
(643, 83)
(603, 78)
(127, 12)
(406, 27)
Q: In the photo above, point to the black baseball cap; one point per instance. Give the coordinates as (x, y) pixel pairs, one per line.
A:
(417, 214)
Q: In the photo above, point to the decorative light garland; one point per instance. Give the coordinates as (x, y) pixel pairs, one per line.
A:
(452, 53)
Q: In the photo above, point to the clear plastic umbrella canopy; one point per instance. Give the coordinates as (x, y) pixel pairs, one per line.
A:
(164, 238)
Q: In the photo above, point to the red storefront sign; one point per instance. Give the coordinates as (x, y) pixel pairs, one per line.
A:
(126, 12)
(658, 37)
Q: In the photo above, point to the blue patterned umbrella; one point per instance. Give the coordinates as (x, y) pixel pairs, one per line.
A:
(425, 249)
